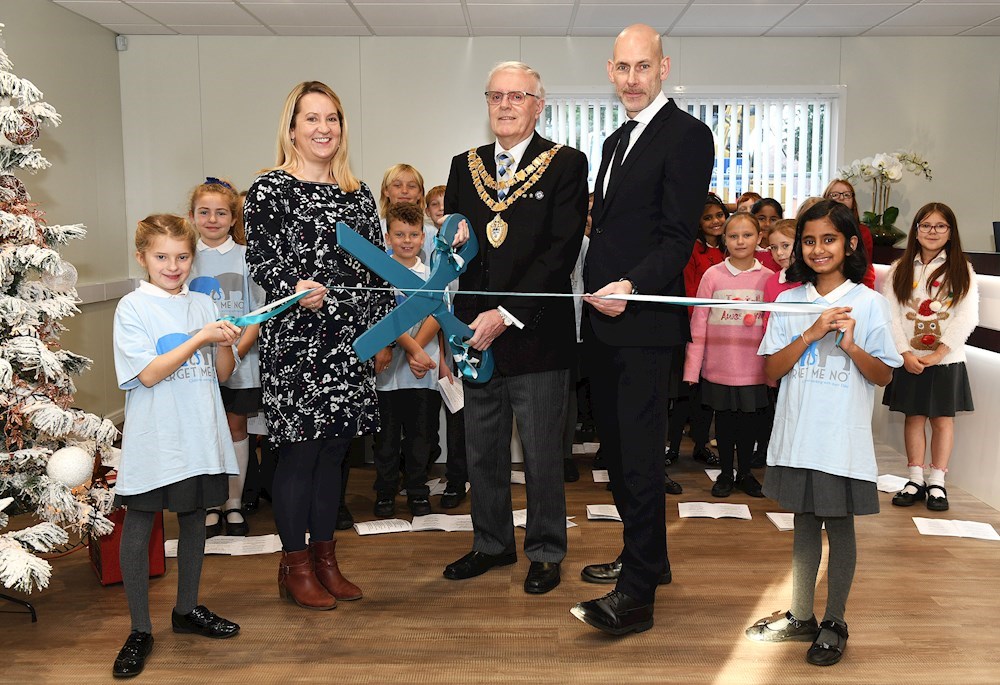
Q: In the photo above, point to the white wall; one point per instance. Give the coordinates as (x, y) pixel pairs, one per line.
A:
(74, 62)
(196, 106)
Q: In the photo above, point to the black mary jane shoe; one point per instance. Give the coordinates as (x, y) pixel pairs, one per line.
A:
(203, 622)
(908, 499)
(706, 456)
(240, 528)
(724, 485)
(132, 657)
(216, 528)
(935, 503)
(827, 653)
(671, 456)
(345, 519)
(794, 630)
(670, 486)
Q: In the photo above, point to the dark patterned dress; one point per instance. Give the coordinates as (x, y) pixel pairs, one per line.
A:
(314, 385)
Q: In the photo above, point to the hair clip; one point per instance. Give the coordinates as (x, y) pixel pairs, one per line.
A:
(213, 181)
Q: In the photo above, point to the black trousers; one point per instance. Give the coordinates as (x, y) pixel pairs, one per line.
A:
(306, 490)
(690, 409)
(457, 468)
(630, 388)
(413, 412)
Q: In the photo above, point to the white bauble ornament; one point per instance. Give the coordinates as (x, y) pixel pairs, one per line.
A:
(71, 466)
(62, 279)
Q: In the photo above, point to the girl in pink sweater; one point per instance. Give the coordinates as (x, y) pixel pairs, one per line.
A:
(723, 354)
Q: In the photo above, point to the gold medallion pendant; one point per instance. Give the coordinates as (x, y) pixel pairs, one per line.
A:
(496, 231)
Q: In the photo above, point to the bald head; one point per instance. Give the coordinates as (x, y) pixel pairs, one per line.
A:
(638, 67)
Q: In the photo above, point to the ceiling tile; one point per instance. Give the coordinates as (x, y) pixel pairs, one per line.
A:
(519, 31)
(990, 29)
(536, 16)
(750, 2)
(140, 29)
(658, 16)
(107, 12)
(303, 14)
(197, 14)
(360, 30)
(946, 15)
(719, 16)
(613, 3)
(720, 31)
(885, 30)
(842, 15)
(596, 31)
(822, 31)
(421, 30)
(216, 30)
(413, 15)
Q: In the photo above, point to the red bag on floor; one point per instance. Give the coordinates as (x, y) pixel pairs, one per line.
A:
(104, 550)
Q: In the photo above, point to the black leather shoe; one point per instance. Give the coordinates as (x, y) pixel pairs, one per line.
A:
(132, 657)
(216, 528)
(671, 456)
(723, 485)
(542, 577)
(385, 505)
(706, 457)
(238, 529)
(827, 653)
(251, 502)
(748, 484)
(476, 564)
(205, 623)
(419, 506)
(452, 496)
(670, 486)
(908, 499)
(609, 573)
(937, 503)
(767, 630)
(345, 520)
(571, 473)
(615, 613)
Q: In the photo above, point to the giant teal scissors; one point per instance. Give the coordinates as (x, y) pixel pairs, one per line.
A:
(425, 298)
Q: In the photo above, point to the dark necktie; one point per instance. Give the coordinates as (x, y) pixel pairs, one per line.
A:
(503, 173)
(623, 141)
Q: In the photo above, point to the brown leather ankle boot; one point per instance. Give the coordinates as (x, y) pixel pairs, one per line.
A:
(325, 562)
(297, 582)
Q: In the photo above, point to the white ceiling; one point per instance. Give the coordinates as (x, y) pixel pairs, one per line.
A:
(552, 18)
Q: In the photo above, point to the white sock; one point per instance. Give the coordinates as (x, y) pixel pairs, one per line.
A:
(936, 478)
(212, 517)
(917, 476)
(236, 483)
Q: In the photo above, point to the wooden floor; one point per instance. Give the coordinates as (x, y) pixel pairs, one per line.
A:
(923, 609)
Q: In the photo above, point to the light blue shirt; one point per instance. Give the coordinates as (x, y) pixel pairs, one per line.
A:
(176, 429)
(823, 418)
(398, 376)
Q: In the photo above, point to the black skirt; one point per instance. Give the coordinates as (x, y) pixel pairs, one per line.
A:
(242, 401)
(805, 491)
(744, 398)
(197, 492)
(940, 390)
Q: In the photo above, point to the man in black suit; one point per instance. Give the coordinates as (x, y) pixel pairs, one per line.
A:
(526, 200)
(649, 192)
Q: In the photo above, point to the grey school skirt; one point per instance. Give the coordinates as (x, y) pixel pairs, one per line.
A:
(197, 492)
(805, 491)
(941, 390)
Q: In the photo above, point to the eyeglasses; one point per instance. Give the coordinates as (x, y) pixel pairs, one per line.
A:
(933, 228)
(846, 195)
(514, 97)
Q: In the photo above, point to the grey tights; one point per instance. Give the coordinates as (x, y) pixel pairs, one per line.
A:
(134, 559)
(806, 553)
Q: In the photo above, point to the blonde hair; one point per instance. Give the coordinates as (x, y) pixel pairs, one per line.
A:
(518, 66)
(222, 186)
(288, 158)
(164, 225)
(785, 227)
(390, 175)
(806, 204)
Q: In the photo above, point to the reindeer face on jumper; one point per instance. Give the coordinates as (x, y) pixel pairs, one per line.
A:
(926, 324)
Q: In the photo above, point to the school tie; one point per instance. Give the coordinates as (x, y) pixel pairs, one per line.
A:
(503, 173)
(623, 141)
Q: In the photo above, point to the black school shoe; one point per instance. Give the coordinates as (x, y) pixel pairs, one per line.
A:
(828, 653)
(385, 505)
(748, 484)
(671, 456)
(203, 622)
(419, 506)
(908, 499)
(935, 503)
(706, 456)
(132, 657)
(793, 631)
(723, 485)
(345, 519)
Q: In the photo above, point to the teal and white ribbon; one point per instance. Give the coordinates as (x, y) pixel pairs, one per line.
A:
(267, 311)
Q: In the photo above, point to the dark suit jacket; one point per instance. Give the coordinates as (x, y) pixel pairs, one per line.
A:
(543, 242)
(644, 229)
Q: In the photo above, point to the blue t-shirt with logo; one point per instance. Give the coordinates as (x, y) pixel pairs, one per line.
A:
(176, 429)
(823, 418)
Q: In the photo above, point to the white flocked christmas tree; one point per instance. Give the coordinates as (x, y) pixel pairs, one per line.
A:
(50, 448)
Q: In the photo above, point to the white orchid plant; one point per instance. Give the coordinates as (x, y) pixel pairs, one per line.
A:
(883, 170)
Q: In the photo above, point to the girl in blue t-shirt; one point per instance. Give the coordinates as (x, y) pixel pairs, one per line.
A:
(220, 271)
(821, 458)
(170, 353)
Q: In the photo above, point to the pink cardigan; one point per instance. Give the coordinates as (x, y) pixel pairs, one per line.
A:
(775, 287)
(724, 342)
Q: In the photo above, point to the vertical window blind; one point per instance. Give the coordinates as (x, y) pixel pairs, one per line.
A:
(780, 147)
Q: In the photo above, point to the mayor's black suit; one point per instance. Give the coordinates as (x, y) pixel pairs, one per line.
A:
(643, 229)
(531, 378)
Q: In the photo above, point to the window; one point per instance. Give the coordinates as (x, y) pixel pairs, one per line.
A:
(778, 146)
